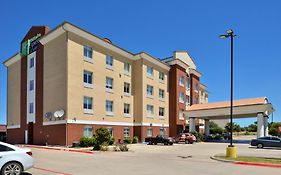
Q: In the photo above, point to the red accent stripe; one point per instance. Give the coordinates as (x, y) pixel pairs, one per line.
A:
(258, 164)
(58, 149)
(51, 171)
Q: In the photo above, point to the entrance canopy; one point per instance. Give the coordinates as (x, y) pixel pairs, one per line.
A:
(245, 108)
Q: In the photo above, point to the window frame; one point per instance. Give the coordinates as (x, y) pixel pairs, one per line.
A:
(148, 69)
(88, 105)
(149, 89)
(161, 116)
(149, 132)
(109, 87)
(111, 106)
(88, 54)
(126, 132)
(127, 88)
(89, 131)
(181, 100)
(149, 114)
(89, 76)
(127, 72)
(109, 61)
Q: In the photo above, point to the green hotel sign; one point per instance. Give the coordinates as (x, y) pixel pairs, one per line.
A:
(30, 45)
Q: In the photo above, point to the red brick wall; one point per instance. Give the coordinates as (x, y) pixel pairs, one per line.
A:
(142, 131)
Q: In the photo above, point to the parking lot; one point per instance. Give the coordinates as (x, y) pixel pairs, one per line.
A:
(150, 159)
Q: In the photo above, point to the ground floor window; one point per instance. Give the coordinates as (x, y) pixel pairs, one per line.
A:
(88, 131)
(110, 130)
(126, 132)
(161, 131)
(149, 132)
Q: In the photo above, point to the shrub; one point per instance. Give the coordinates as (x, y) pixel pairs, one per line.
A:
(104, 146)
(111, 141)
(199, 136)
(127, 140)
(87, 141)
(102, 136)
(135, 139)
(216, 130)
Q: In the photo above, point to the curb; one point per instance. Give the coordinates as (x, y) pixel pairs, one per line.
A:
(246, 163)
(57, 149)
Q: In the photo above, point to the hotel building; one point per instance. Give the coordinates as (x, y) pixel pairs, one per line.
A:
(66, 82)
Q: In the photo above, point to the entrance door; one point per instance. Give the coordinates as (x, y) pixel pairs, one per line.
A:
(30, 133)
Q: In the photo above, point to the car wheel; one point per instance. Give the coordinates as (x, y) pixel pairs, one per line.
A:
(165, 143)
(11, 168)
(260, 145)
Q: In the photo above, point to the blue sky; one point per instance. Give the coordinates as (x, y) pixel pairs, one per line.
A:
(160, 27)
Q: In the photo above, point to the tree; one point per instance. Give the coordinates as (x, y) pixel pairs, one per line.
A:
(235, 127)
(102, 136)
(273, 128)
(215, 129)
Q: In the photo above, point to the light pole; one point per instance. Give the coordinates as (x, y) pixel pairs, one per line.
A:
(231, 150)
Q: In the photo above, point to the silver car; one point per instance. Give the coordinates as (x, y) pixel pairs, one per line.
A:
(14, 160)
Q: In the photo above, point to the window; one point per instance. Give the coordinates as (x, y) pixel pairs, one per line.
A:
(5, 148)
(88, 131)
(181, 115)
(31, 108)
(149, 90)
(126, 108)
(161, 94)
(126, 132)
(181, 83)
(149, 111)
(109, 83)
(109, 106)
(161, 112)
(31, 85)
(181, 97)
(195, 101)
(31, 62)
(149, 71)
(126, 88)
(88, 104)
(161, 131)
(110, 130)
(187, 99)
(127, 67)
(109, 61)
(161, 76)
(196, 87)
(149, 132)
(187, 83)
(88, 79)
(88, 52)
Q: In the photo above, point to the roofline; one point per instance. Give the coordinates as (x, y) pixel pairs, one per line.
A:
(12, 59)
(197, 73)
(152, 59)
(69, 27)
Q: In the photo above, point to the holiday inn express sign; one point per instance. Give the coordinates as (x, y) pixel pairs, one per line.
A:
(30, 45)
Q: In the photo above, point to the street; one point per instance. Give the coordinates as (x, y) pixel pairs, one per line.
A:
(150, 159)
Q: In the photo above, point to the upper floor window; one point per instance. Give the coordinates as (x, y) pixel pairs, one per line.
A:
(149, 71)
(31, 108)
(109, 106)
(109, 61)
(31, 85)
(196, 87)
(195, 100)
(181, 98)
(127, 68)
(181, 81)
(31, 62)
(126, 108)
(127, 88)
(161, 112)
(149, 110)
(187, 83)
(161, 94)
(161, 76)
(187, 99)
(149, 90)
(109, 83)
(88, 103)
(88, 77)
(88, 52)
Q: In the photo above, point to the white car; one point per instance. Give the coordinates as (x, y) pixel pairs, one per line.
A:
(14, 160)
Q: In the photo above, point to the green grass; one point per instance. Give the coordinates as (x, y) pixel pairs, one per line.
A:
(253, 159)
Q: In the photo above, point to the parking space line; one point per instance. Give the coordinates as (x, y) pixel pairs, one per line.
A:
(51, 171)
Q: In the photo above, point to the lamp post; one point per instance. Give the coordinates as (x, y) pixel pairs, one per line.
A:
(231, 150)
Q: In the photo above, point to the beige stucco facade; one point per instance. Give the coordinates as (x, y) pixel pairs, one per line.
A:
(13, 96)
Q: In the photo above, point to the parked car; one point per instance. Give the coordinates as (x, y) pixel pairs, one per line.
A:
(187, 138)
(160, 139)
(269, 141)
(14, 160)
